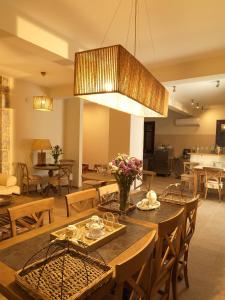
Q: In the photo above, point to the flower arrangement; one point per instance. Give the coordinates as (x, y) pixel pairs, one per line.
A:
(56, 152)
(125, 169)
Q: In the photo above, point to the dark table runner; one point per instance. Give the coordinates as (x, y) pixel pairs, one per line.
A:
(17, 255)
(164, 212)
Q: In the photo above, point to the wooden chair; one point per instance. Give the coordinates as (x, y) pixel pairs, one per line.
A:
(62, 178)
(131, 272)
(106, 192)
(27, 179)
(80, 201)
(70, 164)
(213, 180)
(30, 215)
(188, 177)
(5, 231)
(146, 180)
(166, 253)
(181, 264)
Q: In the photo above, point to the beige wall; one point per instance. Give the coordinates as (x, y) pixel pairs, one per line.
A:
(73, 135)
(108, 132)
(95, 134)
(119, 133)
(181, 137)
(30, 124)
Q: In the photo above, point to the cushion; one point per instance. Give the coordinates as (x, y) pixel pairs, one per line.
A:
(7, 180)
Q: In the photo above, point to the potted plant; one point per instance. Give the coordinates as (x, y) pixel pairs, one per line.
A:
(125, 169)
(56, 152)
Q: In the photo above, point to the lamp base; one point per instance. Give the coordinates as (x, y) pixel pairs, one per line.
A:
(41, 158)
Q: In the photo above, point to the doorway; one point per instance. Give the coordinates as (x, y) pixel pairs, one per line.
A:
(149, 143)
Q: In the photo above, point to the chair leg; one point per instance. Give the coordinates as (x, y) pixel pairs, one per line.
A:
(174, 280)
(167, 289)
(206, 192)
(186, 269)
(41, 189)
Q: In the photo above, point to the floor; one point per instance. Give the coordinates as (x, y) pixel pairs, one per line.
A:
(207, 259)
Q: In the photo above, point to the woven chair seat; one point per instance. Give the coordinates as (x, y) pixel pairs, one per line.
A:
(211, 184)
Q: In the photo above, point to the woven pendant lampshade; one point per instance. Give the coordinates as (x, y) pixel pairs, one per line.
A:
(43, 103)
(113, 77)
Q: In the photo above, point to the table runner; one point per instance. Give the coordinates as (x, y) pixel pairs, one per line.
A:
(17, 255)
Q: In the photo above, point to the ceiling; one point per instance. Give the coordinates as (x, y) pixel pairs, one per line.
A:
(201, 90)
(168, 32)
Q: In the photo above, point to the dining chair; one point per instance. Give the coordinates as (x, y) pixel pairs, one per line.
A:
(213, 180)
(188, 177)
(61, 179)
(166, 252)
(31, 215)
(70, 164)
(80, 201)
(108, 192)
(146, 180)
(27, 179)
(181, 264)
(130, 273)
(5, 231)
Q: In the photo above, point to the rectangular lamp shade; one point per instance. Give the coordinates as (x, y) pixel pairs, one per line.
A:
(111, 76)
(43, 103)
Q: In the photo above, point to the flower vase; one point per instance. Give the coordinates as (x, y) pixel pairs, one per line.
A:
(124, 197)
(56, 160)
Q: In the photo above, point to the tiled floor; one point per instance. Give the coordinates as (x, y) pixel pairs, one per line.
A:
(207, 259)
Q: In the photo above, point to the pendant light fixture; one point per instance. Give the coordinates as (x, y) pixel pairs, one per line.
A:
(44, 102)
(113, 77)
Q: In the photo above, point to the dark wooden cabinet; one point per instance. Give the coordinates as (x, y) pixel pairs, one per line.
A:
(220, 133)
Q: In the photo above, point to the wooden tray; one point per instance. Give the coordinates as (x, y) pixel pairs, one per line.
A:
(113, 206)
(110, 233)
(75, 283)
(175, 198)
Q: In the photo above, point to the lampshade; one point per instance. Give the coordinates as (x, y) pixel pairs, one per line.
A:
(43, 103)
(111, 76)
(41, 144)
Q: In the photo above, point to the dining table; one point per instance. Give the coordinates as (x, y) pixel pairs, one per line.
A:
(198, 172)
(108, 178)
(140, 225)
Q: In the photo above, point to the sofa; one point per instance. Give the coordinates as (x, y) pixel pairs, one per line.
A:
(8, 185)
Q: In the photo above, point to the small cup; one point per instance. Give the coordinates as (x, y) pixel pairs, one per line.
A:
(71, 231)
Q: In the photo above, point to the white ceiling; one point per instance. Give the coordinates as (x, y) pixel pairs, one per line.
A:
(201, 90)
(168, 31)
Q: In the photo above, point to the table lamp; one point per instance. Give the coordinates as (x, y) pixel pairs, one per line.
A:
(41, 144)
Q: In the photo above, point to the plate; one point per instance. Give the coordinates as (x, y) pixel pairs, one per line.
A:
(91, 237)
(149, 207)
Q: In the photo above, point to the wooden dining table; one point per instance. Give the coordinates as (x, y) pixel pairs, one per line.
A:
(198, 171)
(99, 177)
(16, 251)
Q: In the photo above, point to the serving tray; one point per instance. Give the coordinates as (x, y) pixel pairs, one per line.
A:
(111, 231)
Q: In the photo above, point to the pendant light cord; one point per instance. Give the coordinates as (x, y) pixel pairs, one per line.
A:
(111, 22)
